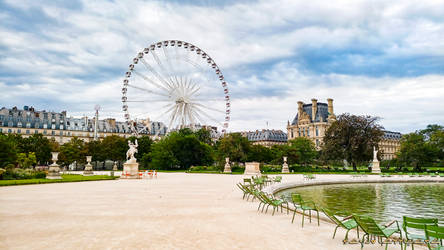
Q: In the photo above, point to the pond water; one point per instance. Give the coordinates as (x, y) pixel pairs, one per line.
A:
(382, 201)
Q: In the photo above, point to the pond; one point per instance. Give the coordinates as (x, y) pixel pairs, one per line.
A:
(382, 201)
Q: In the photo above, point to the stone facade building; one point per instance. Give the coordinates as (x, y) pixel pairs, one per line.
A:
(389, 145)
(266, 137)
(311, 121)
(61, 128)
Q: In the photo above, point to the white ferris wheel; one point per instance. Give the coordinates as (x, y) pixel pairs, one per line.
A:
(178, 85)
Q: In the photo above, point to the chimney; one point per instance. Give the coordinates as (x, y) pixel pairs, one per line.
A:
(330, 106)
(314, 108)
(300, 108)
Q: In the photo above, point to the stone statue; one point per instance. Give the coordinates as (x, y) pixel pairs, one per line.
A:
(375, 153)
(131, 151)
(375, 164)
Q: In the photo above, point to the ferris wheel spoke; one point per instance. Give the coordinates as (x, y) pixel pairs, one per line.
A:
(150, 81)
(149, 100)
(165, 52)
(213, 109)
(208, 116)
(156, 58)
(147, 90)
(155, 73)
(163, 107)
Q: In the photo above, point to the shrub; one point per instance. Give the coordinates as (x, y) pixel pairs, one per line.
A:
(20, 174)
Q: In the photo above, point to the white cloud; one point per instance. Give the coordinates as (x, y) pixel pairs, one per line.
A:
(80, 59)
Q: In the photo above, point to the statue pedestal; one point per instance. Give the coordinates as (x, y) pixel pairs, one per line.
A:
(54, 172)
(227, 168)
(375, 167)
(252, 168)
(285, 168)
(88, 171)
(130, 170)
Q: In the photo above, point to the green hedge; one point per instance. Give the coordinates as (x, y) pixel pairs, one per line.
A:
(65, 178)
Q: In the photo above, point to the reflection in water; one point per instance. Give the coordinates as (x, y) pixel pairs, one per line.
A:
(383, 202)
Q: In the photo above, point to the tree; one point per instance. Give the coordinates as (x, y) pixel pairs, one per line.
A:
(260, 153)
(234, 146)
(162, 156)
(204, 135)
(303, 150)
(41, 146)
(180, 150)
(94, 149)
(423, 147)
(72, 151)
(114, 148)
(352, 138)
(26, 160)
(8, 151)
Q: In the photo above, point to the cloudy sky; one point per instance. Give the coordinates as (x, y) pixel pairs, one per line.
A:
(379, 58)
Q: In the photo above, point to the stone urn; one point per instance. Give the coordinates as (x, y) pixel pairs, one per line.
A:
(88, 171)
(115, 166)
(227, 168)
(285, 168)
(54, 169)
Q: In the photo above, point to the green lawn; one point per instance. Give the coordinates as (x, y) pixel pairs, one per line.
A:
(65, 178)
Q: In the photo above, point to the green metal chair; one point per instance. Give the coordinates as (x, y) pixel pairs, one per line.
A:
(244, 190)
(347, 223)
(434, 234)
(275, 203)
(277, 179)
(370, 228)
(304, 206)
(259, 181)
(417, 224)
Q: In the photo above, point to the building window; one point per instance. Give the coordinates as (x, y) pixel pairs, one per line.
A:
(317, 131)
(308, 132)
(19, 131)
(53, 132)
(28, 125)
(69, 133)
(53, 126)
(27, 131)
(45, 125)
(36, 131)
(44, 132)
(1, 130)
(19, 124)
(317, 142)
(61, 132)
(9, 131)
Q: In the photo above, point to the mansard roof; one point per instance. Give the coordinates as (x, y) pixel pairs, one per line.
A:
(321, 114)
(267, 135)
(392, 135)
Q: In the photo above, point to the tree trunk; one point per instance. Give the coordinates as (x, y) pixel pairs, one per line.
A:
(355, 169)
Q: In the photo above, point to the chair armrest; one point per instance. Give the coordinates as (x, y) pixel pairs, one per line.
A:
(390, 223)
(347, 218)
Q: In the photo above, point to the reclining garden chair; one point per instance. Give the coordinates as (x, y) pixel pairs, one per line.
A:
(434, 234)
(418, 224)
(370, 228)
(277, 179)
(275, 203)
(347, 223)
(304, 206)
